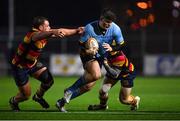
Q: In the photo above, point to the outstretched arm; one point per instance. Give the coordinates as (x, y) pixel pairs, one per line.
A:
(46, 34)
(69, 32)
(62, 32)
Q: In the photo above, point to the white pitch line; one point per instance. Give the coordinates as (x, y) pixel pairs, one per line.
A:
(116, 113)
(124, 112)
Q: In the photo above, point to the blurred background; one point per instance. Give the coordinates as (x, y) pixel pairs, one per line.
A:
(151, 29)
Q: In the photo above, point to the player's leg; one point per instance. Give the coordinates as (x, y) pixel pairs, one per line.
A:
(92, 71)
(21, 79)
(91, 74)
(42, 74)
(125, 95)
(82, 85)
(127, 98)
(69, 96)
(108, 83)
(83, 89)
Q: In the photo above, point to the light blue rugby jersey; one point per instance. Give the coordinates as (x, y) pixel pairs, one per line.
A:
(113, 33)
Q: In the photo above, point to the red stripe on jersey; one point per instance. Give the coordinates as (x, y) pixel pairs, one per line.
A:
(21, 47)
(33, 53)
(118, 59)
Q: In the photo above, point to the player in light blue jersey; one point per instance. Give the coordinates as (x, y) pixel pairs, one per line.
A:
(110, 40)
(109, 34)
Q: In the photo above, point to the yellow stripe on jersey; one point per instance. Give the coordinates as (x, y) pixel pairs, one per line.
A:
(127, 62)
(39, 44)
(131, 67)
(26, 39)
(122, 42)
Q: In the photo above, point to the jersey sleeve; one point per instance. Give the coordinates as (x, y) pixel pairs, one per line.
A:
(87, 33)
(118, 35)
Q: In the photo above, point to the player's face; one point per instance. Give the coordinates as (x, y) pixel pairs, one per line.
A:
(45, 26)
(104, 23)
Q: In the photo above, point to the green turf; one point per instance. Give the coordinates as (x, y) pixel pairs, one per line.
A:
(160, 99)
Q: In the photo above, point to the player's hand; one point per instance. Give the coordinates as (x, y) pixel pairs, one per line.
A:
(58, 33)
(91, 51)
(80, 30)
(61, 33)
(107, 47)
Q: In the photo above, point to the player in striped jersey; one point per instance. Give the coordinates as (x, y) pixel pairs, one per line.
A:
(126, 75)
(25, 61)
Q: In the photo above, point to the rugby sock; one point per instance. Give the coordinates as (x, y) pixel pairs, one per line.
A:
(80, 82)
(103, 97)
(75, 94)
(74, 90)
(79, 91)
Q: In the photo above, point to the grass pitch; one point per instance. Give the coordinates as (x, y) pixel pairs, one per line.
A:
(160, 100)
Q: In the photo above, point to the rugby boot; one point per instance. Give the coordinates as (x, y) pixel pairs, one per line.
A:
(136, 106)
(98, 107)
(60, 105)
(41, 101)
(14, 106)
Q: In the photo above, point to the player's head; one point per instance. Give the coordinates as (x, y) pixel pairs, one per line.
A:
(41, 23)
(106, 18)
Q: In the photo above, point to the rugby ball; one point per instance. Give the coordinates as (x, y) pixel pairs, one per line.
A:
(92, 43)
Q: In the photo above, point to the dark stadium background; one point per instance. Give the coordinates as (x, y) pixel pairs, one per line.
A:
(160, 99)
(74, 13)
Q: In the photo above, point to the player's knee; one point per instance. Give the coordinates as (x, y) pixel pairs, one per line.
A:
(47, 85)
(87, 87)
(46, 80)
(105, 88)
(96, 76)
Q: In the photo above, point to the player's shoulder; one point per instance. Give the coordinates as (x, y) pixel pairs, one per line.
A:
(115, 28)
(114, 25)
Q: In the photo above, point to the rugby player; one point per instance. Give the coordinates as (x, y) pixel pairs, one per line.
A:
(25, 61)
(126, 75)
(109, 37)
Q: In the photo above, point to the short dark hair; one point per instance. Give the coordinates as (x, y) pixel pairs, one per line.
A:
(38, 20)
(108, 14)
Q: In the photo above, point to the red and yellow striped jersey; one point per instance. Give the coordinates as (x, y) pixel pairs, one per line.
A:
(28, 51)
(121, 61)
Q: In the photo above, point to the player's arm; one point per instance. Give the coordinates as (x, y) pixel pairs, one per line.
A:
(69, 32)
(109, 48)
(46, 34)
(111, 71)
(118, 37)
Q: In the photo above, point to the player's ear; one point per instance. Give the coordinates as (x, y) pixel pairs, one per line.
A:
(41, 27)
